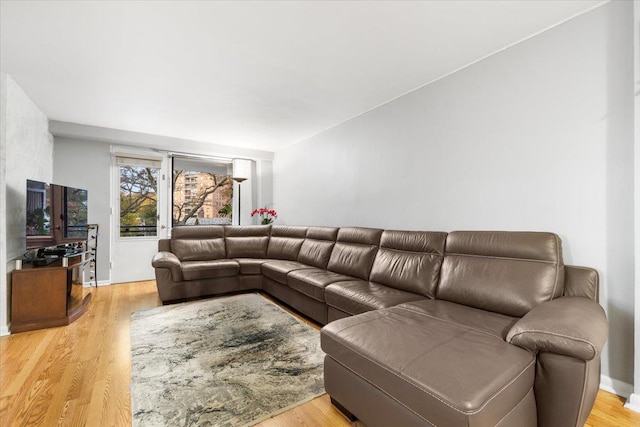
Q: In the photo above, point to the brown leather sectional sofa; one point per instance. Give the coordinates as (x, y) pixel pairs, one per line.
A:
(467, 328)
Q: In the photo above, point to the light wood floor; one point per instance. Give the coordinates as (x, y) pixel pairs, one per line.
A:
(79, 375)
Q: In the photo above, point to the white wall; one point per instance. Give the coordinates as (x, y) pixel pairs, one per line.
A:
(264, 173)
(27, 148)
(4, 294)
(634, 399)
(87, 166)
(537, 137)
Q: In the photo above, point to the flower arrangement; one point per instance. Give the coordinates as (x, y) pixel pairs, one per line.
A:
(267, 215)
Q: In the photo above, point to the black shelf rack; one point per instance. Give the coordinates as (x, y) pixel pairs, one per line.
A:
(93, 231)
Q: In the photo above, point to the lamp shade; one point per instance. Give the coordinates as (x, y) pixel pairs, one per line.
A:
(241, 170)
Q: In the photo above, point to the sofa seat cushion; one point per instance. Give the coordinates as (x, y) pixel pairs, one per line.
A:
(278, 269)
(251, 265)
(313, 281)
(194, 270)
(447, 374)
(495, 324)
(359, 296)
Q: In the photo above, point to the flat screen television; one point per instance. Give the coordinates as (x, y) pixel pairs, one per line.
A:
(55, 214)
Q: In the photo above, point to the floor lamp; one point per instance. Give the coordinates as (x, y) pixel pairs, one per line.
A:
(240, 172)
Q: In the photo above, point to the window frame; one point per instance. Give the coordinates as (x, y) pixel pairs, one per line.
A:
(212, 163)
(119, 161)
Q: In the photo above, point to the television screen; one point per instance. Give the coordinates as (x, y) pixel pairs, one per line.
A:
(55, 214)
(38, 209)
(75, 213)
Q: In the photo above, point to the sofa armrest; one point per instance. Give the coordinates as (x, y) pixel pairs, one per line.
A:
(168, 260)
(571, 326)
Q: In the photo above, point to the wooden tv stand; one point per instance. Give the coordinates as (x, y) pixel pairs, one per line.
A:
(46, 297)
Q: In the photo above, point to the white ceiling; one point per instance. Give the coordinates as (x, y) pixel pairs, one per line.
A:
(259, 75)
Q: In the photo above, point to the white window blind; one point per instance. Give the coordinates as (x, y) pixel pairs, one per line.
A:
(137, 162)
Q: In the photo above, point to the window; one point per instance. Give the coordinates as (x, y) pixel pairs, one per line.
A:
(202, 192)
(138, 196)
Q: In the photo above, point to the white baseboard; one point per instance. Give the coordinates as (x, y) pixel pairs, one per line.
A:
(92, 284)
(615, 386)
(633, 403)
(4, 330)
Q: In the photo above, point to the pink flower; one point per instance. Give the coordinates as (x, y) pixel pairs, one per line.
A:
(265, 213)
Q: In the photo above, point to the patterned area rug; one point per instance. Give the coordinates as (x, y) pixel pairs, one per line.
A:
(223, 362)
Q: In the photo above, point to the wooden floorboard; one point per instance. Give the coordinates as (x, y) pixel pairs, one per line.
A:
(79, 375)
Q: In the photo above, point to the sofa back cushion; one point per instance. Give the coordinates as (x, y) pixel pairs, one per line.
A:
(581, 282)
(316, 248)
(354, 251)
(247, 241)
(164, 245)
(409, 261)
(198, 243)
(501, 271)
(285, 242)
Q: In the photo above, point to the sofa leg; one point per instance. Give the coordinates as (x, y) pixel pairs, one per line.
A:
(344, 410)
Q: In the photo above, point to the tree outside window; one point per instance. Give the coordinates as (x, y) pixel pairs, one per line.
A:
(138, 201)
(201, 198)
